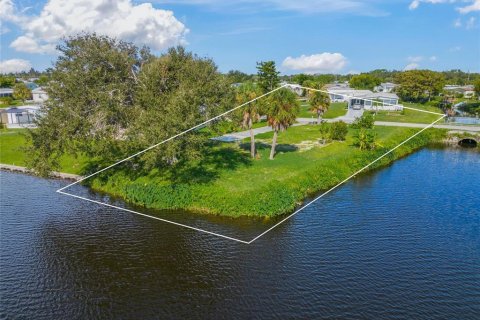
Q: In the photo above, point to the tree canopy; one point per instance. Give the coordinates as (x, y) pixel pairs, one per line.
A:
(21, 91)
(267, 75)
(109, 99)
(419, 85)
(364, 81)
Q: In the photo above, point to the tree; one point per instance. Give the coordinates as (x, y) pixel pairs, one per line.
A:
(235, 76)
(7, 81)
(364, 81)
(177, 91)
(267, 76)
(21, 91)
(246, 92)
(91, 103)
(476, 88)
(419, 85)
(282, 110)
(319, 102)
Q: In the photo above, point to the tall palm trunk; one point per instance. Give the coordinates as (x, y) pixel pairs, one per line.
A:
(319, 117)
(274, 143)
(252, 139)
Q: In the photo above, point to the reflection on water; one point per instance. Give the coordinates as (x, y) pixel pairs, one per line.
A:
(403, 242)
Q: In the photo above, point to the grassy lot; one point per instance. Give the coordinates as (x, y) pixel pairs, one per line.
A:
(12, 142)
(228, 182)
(410, 116)
(337, 109)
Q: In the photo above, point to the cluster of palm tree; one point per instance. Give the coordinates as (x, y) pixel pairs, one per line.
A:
(280, 107)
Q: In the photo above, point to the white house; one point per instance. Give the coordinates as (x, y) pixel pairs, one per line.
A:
(385, 87)
(6, 92)
(18, 117)
(39, 95)
(365, 99)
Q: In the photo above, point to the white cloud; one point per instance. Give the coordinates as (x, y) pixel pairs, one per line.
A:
(415, 59)
(142, 24)
(411, 66)
(475, 6)
(433, 58)
(316, 63)
(455, 49)
(470, 23)
(14, 65)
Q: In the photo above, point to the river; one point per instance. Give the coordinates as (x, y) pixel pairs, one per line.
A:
(402, 242)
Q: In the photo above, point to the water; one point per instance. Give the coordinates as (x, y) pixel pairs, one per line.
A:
(403, 242)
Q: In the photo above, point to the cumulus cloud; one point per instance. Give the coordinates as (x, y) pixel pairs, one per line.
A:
(14, 66)
(411, 66)
(141, 24)
(316, 63)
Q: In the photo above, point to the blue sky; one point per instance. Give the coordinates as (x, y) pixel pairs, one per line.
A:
(304, 36)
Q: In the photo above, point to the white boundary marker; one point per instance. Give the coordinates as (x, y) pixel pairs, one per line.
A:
(61, 190)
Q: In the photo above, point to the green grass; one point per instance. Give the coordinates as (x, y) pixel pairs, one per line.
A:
(228, 182)
(12, 144)
(410, 116)
(336, 109)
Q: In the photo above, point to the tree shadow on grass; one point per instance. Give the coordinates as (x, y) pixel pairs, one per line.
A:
(215, 158)
(263, 146)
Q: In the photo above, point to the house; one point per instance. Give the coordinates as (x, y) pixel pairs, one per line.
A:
(39, 95)
(385, 87)
(467, 91)
(6, 92)
(19, 117)
(365, 99)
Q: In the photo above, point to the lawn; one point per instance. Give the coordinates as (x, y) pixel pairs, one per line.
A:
(410, 116)
(336, 109)
(228, 182)
(12, 142)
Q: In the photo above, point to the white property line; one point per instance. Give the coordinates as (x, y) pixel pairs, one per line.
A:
(214, 118)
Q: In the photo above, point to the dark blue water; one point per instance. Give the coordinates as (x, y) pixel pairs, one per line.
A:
(401, 243)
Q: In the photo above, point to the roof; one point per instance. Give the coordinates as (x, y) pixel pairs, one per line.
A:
(39, 90)
(6, 90)
(31, 108)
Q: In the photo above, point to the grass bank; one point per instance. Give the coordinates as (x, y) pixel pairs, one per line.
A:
(13, 142)
(410, 116)
(336, 109)
(228, 182)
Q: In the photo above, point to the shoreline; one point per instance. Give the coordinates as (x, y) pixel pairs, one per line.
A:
(53, 174)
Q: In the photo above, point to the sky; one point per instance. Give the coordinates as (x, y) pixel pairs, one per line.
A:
(309, 36)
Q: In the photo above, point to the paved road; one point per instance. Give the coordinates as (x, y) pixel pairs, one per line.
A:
(423, 125)
(303, 121)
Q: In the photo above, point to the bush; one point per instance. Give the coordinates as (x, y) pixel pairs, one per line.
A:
(365, 139)
(366, 121)
(338, 130)
(324, 132)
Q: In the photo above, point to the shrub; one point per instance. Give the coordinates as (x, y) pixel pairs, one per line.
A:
(366, 121)
(365, 139)
(324, 132)
(338, 130)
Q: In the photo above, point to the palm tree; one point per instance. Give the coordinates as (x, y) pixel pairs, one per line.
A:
(247, 92)
(319, 103)
(282, 110)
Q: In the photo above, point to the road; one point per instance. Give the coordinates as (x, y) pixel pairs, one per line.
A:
(303, 121)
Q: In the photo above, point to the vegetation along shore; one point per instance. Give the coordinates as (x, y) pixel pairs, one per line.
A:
(109, 99)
